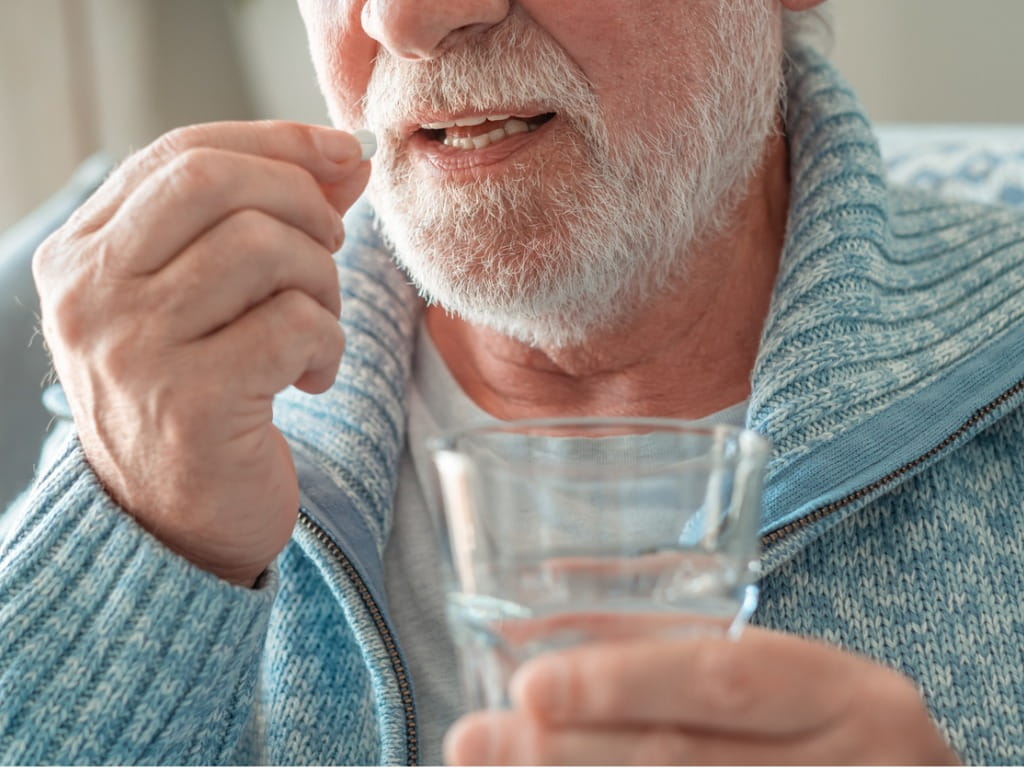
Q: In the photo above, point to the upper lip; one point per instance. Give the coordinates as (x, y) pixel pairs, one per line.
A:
(431, 118)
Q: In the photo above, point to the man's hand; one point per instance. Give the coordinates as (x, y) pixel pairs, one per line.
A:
(191, 288)
(766, 699)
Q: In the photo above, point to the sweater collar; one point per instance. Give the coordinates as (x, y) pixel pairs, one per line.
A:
(887, 331)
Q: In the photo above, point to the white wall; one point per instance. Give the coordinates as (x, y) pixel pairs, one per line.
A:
(934, 60)
(159, 64)
(42, 133)
(81, 75)
(279, 74)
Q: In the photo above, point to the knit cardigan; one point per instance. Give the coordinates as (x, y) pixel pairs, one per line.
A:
(890, 380)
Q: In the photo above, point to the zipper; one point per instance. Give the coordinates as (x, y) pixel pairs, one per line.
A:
(772, 539)
(397, 665)
(768, 541)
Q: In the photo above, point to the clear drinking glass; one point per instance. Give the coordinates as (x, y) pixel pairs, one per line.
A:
(559, 532)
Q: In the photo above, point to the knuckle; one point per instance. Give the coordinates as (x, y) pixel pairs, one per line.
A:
(301, 313)
(292, 134)
(63, 318)
(252, 230)
(100, 257)
(171, 306)
(166, 149)
(296, 132)
(302, 179)
(304, 183)
(53, 257)
(176, 141)
(195, 167)
(303, 310)
(66, 315)
(81, 287)
(277, 356)
(44, 257)
(118, 354)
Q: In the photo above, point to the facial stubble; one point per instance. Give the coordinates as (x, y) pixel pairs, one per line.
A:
(553, 253)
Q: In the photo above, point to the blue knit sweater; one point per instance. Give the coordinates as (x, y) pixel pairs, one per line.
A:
(890, 379)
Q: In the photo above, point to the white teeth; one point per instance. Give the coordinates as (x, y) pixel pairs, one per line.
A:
(464, 122)
(510, 128)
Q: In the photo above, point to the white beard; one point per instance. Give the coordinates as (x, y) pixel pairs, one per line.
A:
(551, 261)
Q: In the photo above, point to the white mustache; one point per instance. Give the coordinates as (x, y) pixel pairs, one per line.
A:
(512, 65)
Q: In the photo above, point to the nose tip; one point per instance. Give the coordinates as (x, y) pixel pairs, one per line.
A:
(425, 29)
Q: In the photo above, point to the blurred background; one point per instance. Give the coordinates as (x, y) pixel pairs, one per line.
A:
(82, 75)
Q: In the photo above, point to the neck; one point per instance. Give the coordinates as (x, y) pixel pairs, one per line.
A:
(686, 354)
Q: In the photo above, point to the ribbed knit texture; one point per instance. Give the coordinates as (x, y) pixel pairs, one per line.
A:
(928, 580)
(889, 305)
(114, 649)
(879, 291)
(319, 698)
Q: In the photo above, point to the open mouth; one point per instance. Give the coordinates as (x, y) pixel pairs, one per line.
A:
(478, 132)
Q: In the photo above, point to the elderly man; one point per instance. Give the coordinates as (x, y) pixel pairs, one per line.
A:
(608, 213)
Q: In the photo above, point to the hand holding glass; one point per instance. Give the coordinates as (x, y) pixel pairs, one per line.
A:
(562, 532)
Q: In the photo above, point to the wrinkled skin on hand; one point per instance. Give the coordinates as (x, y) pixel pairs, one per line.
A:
(192, 287)
(765, 699)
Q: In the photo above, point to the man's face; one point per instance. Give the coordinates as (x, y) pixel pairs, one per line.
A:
(621, 135)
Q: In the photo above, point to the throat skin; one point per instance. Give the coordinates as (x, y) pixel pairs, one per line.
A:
(686, 354)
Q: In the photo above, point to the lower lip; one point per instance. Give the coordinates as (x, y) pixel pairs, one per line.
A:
(448, 160)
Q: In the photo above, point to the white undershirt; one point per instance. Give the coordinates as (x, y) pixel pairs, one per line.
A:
(412, 573)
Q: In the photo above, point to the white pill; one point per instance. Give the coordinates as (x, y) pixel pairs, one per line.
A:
(367, 141)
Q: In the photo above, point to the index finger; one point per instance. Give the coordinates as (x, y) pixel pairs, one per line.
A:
(765, 683)
(327, 154)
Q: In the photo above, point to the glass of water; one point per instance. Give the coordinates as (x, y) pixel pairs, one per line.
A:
(559, 532)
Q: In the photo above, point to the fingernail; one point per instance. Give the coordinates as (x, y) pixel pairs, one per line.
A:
(367, 141)
(336, 146)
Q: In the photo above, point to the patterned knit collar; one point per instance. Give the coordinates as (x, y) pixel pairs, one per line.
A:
(893, 316)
